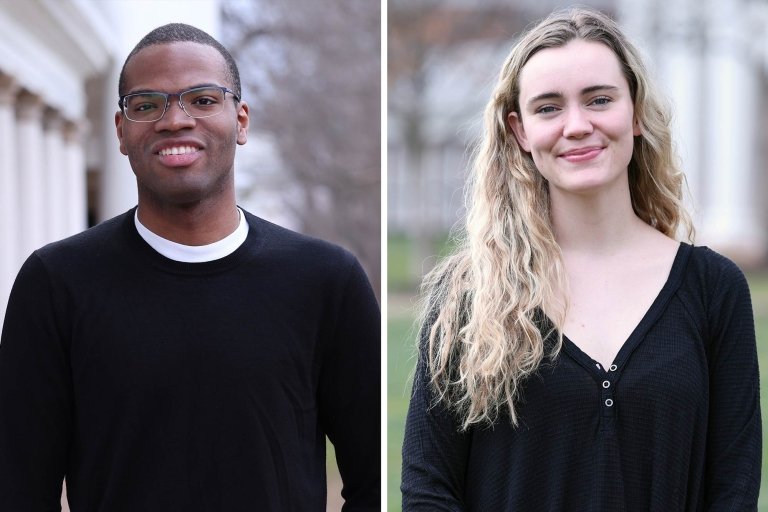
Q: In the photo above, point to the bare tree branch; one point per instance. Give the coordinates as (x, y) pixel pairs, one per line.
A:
(313, 73)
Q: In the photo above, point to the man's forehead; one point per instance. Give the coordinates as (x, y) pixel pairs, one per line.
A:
(175, 60)
(191, 48)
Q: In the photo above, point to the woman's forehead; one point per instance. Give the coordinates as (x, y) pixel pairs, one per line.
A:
(574, 66)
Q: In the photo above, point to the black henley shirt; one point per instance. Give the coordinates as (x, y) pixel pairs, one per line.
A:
(673, 425)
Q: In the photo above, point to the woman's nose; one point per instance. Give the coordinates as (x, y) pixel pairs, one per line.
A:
(577, 123)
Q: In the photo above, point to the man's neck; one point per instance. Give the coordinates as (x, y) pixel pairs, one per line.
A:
(194, 225)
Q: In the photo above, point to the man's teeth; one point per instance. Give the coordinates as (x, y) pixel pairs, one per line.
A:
(180, 150)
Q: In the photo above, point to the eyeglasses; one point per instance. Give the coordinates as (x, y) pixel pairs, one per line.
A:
(200, 102)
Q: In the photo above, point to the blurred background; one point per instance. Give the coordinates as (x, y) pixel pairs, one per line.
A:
(311, 74)
(709, 57)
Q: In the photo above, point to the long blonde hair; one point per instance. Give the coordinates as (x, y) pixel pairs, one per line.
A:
(483, 326)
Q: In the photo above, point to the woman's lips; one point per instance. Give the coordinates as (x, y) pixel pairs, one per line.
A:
(582, 154)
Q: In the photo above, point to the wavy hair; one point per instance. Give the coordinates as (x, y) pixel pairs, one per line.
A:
(483, 324)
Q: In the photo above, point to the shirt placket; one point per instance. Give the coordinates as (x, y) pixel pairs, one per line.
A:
(607, 384)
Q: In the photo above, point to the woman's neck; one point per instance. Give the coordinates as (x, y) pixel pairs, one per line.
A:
(595, 223)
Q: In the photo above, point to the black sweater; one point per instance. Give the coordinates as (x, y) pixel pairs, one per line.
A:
(673, 425)
(155, 385)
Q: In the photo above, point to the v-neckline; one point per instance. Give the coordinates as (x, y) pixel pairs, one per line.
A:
(646, 322)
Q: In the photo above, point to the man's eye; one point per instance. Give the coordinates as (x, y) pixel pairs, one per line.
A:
(144, 107)
(144, 103)
(204, 101)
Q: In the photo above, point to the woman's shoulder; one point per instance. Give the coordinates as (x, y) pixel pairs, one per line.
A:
(711, 281)
(711, 267)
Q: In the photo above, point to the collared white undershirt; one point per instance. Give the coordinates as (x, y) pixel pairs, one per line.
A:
(195, 253)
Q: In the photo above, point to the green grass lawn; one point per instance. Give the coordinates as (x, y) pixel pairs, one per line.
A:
(401, 360)
(759, 287)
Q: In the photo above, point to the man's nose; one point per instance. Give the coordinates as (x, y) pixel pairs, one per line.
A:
(175, 118)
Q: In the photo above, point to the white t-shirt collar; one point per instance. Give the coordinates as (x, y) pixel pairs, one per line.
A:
(195, 253)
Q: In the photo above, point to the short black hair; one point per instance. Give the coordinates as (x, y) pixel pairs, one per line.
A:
(182, 33)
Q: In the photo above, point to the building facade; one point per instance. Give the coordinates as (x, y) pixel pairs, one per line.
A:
(709, 57)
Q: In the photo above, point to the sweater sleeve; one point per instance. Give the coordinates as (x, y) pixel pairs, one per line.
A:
(734, 436)
(435, 452)
(35, 395)
(349, 394)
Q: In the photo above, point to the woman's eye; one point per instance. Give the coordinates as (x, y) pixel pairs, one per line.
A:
(601, 100)
(546, 109)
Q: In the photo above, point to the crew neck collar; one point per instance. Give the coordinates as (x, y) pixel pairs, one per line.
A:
(194, 254)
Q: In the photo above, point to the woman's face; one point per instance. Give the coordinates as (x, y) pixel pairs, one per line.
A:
(576, 117)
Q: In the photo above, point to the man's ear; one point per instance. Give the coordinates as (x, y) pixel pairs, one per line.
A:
(516, 125)
(242, 123)
(119, 120)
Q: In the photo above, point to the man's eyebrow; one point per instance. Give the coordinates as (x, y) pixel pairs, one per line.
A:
(556, 95)
(146, 91)
(142, 91)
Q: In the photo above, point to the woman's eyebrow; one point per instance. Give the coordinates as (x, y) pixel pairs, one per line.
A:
(552, 95)
(557, 95)
(600, 87)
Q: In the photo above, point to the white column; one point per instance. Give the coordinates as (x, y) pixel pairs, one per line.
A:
(681, 72)
(730, 220)
(638, 21)
(32, 204)
(117, 182)
(10, 256)
(75, 185)
(55, 192)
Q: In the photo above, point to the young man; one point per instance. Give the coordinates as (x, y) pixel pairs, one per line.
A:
(187, 355)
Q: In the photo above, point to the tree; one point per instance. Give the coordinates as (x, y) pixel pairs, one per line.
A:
(425, 35)
(312, 71)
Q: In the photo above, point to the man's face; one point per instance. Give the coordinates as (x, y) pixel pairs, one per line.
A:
(204, 169)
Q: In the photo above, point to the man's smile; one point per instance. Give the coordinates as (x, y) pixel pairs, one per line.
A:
(177, 150)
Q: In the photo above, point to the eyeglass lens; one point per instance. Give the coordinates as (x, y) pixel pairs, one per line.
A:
(147, 107)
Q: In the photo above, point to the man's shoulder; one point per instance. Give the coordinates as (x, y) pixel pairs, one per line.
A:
(288, 245)
(88, 242)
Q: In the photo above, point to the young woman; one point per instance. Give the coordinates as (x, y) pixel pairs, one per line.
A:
(574, 355)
